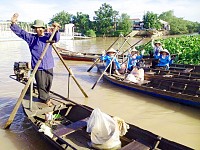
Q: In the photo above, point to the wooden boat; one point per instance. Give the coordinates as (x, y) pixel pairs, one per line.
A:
(64, 126)
(69, 130)
(77, 56)
(182, 91)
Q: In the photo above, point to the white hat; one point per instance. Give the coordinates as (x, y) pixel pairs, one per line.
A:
(112, 50)
(164, 50)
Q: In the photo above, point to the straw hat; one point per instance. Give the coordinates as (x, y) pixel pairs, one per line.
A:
(164, 50)
(38, 24)
(111, 50)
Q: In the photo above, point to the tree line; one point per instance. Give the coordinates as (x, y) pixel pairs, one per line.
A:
(108, 22)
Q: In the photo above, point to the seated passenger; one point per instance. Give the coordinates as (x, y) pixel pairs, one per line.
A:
(164, 59)
(115, 65)
(133, 59)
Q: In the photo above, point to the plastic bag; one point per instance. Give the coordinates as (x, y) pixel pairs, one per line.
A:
(131, 78)
(138, 73)
(104, 130)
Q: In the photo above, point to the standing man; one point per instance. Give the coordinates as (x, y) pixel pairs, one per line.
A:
(37, 43)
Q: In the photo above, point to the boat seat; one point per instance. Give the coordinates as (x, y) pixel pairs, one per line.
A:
(177, 68)
(67, 129)
(135, 146)
(196, 69)
(191, 89)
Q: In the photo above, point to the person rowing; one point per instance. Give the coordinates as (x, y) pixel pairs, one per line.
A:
(37, 43)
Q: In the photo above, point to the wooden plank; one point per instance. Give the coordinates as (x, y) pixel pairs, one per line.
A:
(65, 130)
(135, 146)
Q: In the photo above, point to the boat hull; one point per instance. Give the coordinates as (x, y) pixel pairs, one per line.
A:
(161, 93)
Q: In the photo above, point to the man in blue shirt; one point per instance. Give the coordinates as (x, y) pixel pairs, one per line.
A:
(37, 43)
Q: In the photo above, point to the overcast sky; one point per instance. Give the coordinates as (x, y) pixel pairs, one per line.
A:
(29, 10)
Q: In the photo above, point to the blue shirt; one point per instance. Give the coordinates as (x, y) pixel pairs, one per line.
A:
(36, 45)
(108, 59)
(133, 60)
(164, 61)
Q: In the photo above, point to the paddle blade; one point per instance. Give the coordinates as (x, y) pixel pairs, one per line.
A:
(12, 115)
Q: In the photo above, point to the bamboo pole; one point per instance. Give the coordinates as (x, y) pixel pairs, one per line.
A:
(20, 99)
(69, 70)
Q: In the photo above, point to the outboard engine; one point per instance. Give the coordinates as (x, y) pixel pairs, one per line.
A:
(21, 70)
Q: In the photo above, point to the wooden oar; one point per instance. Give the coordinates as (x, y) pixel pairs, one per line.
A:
(95, 62)
(133, 45)
(12, 115)
(108, 65)
(70, 72)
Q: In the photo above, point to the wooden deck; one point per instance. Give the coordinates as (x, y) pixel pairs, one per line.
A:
(39, 108)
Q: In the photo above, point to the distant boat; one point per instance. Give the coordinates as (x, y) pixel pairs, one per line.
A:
(77, 56)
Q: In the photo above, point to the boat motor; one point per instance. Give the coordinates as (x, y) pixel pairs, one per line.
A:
(21, 70)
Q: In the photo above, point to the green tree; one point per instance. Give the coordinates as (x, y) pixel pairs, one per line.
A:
(124, 24)
(90, 33)
(151, 21)
(82, 22)
(179, 25)
(105, 19)
(62, 18)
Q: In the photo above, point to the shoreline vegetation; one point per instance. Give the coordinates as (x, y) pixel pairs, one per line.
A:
(185, 47)
(108, 22)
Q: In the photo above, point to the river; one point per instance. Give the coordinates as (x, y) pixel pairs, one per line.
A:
(170, 120)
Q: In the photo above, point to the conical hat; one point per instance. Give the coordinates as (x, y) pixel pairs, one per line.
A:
(111, 50)
(165, 50)
(157, 42)
(134, 50)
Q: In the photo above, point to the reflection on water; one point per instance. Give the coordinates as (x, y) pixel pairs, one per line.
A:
(170, 120)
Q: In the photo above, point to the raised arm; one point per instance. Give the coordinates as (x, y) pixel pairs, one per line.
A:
(18, 31)
(152, 43)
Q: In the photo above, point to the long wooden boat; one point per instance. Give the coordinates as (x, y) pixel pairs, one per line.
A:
(182, 91)
(64, 126)
(77, 56)
(69, 130)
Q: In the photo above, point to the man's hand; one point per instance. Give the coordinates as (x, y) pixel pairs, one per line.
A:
(55, 24)
(14, 18)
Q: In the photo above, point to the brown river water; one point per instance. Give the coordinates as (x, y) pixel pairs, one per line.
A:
(170, 120)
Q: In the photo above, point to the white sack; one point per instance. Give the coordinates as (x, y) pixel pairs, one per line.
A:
(104, 130)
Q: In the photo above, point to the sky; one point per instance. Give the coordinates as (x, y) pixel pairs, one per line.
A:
(30, 10)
